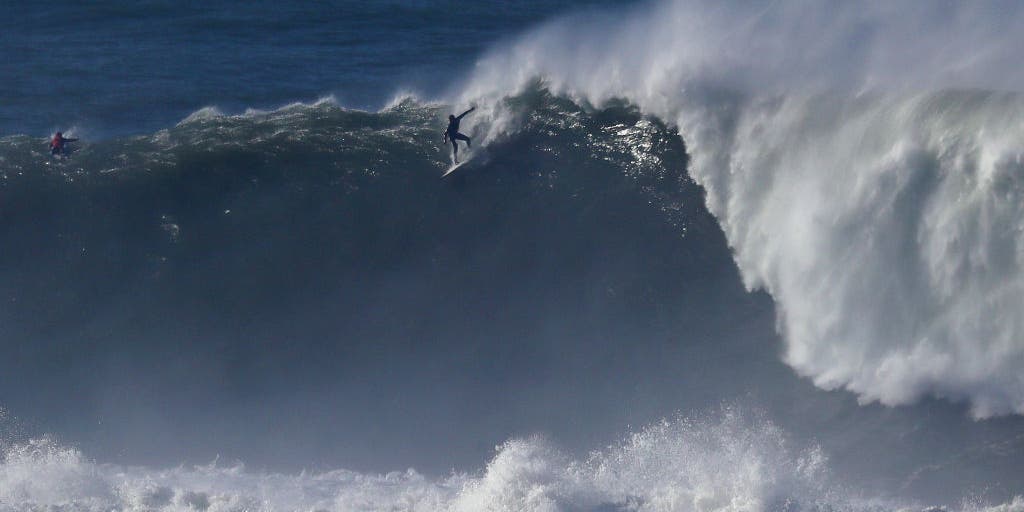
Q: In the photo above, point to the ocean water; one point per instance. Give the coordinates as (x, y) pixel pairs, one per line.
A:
(704, 256)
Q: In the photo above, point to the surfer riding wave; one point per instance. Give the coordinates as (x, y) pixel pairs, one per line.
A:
(58, 144)
(452, 133)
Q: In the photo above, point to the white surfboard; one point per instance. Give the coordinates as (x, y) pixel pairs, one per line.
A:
(453, 167)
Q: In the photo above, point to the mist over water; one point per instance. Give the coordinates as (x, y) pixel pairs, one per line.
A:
(705, 257)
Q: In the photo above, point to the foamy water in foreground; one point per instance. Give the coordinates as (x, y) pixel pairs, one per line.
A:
(728, 462)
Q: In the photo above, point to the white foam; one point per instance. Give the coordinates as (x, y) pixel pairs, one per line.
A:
(203, 114)
(726, 462)
(883, 214)
(211, 112)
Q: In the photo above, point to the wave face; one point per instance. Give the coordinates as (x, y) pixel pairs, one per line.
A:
(862, 161)
(299, 289)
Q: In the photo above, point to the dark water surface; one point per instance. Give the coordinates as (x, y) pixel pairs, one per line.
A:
(111, 67)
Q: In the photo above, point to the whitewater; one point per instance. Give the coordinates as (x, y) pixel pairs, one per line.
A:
(707, 256)
(732, 463)
(864, 163)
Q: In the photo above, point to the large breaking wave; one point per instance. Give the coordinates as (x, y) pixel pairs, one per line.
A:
(874, 192)
(866, 163)
(225, 220)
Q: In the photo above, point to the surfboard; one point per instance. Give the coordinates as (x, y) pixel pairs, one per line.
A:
(453, 167)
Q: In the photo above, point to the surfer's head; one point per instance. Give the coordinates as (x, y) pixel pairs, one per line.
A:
(58, 134)
(451, 117)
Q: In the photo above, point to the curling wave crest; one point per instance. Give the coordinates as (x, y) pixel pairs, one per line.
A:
(864, 161)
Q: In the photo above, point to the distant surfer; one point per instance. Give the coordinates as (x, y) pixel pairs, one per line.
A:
(452, 133)
(58, 145)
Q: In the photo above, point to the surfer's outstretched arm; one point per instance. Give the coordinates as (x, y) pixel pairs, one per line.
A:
(466, 112)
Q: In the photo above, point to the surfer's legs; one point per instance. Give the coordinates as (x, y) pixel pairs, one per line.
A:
(455, 145)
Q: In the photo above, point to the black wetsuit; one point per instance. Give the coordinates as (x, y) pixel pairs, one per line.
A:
(453, 133)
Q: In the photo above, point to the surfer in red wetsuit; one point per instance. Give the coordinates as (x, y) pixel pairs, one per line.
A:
(58, 144)
(452, 133)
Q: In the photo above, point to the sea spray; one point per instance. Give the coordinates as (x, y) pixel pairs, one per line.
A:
(727, 461)
(863, 162)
